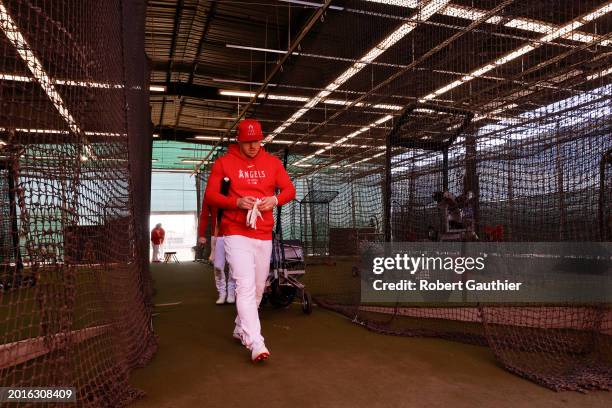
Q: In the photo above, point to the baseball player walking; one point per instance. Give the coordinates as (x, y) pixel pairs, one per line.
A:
(247, 223)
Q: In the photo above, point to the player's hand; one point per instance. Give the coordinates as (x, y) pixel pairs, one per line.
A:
(245, 203)
(202, 241)
(267, 203)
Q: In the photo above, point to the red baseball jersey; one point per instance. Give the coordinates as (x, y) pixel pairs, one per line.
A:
(257, 177)
(157, 236)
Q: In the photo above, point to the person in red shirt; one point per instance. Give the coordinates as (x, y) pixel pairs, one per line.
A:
(157, 239)
(226, 287)
(247, 223)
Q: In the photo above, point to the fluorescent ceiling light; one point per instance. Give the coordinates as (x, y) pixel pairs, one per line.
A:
(530, 25)
(563, 31)
(603, 10)
(512, 55)
(157, 88)
(43, 131)
(17, 78)
(600, 74)
(207, 137)
(193, 161)
(387, 106)
(286, 98)
(470, 13)
(70, 82)
(236, 93)
(481, 71)
(560, 32)
(383, 120)
(340, 142)
(155, 135)
(245, 94)
(382, 106)
(365, 160)
(64, 82)
(430, 9)
(448, 87)
(339, 102)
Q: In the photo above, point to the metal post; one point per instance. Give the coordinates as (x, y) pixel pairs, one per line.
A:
(605, 160)
(387, 191)
(13, 217)
(470, 181)
(445, 169)
(560, 186)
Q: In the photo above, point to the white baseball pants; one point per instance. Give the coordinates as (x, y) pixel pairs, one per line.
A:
(249, 260)
(224, 284)
(157, 253)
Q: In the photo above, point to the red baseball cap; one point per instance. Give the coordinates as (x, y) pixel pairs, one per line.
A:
(249, 130)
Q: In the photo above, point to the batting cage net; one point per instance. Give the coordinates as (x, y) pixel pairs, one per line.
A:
(75, 290)
(476, 121)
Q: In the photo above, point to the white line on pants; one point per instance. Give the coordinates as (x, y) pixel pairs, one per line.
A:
(249, 260)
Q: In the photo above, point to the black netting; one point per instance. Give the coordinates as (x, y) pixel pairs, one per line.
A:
(75, 156)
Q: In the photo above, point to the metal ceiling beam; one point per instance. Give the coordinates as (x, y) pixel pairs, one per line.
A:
(424, 57)
(191, 90)
(292, 29)
(402, 72)
(177, 17)
(305, 30)
(177, 134)
(209, 16)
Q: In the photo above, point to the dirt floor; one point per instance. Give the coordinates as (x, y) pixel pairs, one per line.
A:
(321, 360)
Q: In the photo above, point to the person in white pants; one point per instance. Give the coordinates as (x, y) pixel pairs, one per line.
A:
(247, 223)
(158, 236)
(250, 259)
(226, 285)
